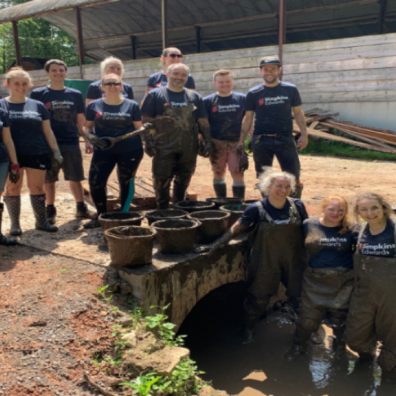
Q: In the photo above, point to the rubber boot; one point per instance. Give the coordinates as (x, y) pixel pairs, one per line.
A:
(238, 192)
(38, 205)
(220, 189)
(50, 212)
(82, 211)
(297, 193)
(13, 204)
(161, 188)
(3, 239)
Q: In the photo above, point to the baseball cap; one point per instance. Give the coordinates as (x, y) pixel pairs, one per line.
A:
(269, 60)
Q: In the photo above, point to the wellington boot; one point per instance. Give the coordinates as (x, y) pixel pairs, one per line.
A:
(238, 192)
(3, 239)
(13, 204)
(38, 205)
(82, 211)
(50, 211)
(220, 190)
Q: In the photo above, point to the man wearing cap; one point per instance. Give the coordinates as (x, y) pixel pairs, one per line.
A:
(273, 105)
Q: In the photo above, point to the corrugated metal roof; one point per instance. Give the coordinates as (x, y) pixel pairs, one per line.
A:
(225, 24)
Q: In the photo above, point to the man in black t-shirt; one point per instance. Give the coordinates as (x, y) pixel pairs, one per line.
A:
(66, 108)
(177, 114)
(272, 105)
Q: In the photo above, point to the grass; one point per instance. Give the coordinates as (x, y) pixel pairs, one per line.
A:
(340, 150)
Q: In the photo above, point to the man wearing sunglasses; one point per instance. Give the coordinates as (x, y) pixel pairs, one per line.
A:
(169, 57)
(66, 108)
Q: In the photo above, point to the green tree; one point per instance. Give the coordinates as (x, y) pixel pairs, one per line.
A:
(38, 39)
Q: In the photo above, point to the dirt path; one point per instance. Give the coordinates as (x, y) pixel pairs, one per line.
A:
(51, 323)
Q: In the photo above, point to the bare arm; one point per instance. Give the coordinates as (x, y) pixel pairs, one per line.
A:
(7, 139)
(49, 136)
(204, 128)
(299, 117)
(246, 126)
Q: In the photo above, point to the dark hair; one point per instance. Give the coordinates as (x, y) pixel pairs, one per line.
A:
(166, 51)
(54, 62)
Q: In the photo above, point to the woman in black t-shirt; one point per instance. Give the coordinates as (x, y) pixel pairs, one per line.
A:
(34, 143)
(372, 313)
(328, 279)
(113, 115)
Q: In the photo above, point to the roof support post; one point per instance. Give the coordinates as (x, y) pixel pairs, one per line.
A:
(198, 38)
(281, 28)
(134, 40)
(80, 41)
(383, 5)
(164, 25)
(18, 56)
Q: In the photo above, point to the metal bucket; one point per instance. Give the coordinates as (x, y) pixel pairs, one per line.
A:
(214, 223)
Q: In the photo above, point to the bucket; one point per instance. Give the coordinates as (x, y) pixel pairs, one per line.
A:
(193, 206)
(114, 219)
(223, 201)
(214, 224)
(235, 211)
(130, 246)
(164, 214)
(112, 203)
(176, 235)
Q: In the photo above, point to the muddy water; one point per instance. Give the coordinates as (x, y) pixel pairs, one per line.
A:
(213, 329)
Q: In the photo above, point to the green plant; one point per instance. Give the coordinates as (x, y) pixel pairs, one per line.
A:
(104, 293)
(182, 381)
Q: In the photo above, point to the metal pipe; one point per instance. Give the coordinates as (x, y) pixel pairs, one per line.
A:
(18, 56)
(164, 27)
(80, 41)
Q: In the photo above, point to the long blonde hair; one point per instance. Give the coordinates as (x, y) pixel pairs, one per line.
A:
(17, 72)
(345, 223)
(376, 197)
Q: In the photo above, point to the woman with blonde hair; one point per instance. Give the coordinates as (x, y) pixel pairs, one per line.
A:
(328, 279)
(35, 144)
(107, 66)
(372, 312)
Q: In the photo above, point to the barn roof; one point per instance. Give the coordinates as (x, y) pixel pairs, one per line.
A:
(109, 26)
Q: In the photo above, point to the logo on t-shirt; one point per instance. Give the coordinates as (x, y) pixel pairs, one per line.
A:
(261, 102)
(214, 109)
(48, 105)
(98, 114)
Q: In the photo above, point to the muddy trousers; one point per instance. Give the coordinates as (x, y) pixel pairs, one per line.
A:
(102, 164)
(325, 294)
(178, 167)
(372, 313)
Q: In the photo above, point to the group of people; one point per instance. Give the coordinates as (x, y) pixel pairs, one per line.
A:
(329, 269)
(332, 269)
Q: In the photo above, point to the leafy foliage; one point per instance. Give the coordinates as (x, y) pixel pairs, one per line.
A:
(37, 38)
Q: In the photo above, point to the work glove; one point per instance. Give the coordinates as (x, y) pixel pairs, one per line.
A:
(149, 149)
(96, 141)
(204, 148)
(243, 160)
(15, 173)
(57, 159)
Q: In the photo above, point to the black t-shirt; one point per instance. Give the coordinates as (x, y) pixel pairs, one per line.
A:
(251, 215)
(26, 122)
(157, 99)
(3, 123)
(160, 79)
(116, 120)
(63, 106)
(382, 244)
(327, 247)
(95, 92)
(225, 115)
(273, 107)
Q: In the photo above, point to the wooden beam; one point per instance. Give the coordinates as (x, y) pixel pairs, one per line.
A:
(164, 24)
(15, 33)
(80, 41)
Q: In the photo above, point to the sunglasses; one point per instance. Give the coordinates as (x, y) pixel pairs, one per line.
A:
(175, 55)
(112, 84)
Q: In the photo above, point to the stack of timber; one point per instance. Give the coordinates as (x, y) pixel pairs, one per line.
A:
(322, 124)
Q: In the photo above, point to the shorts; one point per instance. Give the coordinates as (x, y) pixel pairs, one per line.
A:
(224, 152)
(40, 161)
(72, 165)
(265, 147)
(3, 175)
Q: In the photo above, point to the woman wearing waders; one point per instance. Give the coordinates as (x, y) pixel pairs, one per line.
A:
(372, 312)
(113, 116)
(8, 163)
(34, 141)
(328, 278)
(276, 251)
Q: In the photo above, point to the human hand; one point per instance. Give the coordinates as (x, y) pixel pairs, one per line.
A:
(96, 141)
(57, 158)
(15, 173)
(204, 148)
(88, 147)
(302, 141)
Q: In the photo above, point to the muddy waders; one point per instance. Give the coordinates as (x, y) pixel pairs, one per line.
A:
(176, 149)
(277, 255)
(372, 312)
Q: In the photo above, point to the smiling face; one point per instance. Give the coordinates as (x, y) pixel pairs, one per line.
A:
(57, 73)
(173, 55)
(223, 84)
(371, 210)
(115, 68)
(111, 84)
(18, 86)
(177, 77)
(270, 74)
(334, 213)
(279, 189)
